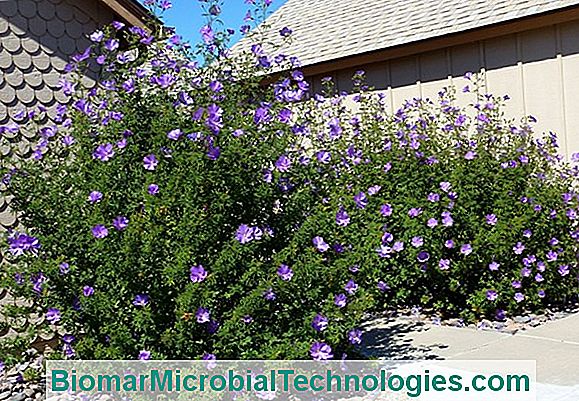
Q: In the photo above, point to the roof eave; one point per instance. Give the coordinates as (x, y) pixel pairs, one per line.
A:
(132, 12)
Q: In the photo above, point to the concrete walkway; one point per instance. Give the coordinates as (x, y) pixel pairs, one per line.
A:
(554, 345)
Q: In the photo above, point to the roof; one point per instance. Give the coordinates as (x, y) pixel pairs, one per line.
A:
(328, 30)
(131, 11)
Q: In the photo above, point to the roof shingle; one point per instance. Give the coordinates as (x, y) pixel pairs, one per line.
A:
(328, 30)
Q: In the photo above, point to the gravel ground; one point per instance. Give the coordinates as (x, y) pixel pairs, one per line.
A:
(23, 382)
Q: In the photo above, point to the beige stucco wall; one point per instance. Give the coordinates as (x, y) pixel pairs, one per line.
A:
(538, 69)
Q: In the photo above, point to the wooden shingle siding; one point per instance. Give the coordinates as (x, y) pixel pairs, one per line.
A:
(37, 38)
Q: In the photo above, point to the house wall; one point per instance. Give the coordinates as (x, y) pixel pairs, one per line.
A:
(37, 38)
(538, 69)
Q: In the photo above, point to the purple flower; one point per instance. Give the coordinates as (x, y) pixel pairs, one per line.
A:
(385, 251)
(87, 291)
(470, 155)
(153, 189)
(269, 295)
(118, 25)
(207, 34)
(244, 234)
(492, 295)
(63, 268)
(216, 86)
(320, 351)
(386, 210)
(444, 264)
(283, 164)
(342, 218)
(519, 297)
(202, 315)
(551, 256)
(53, 315)
(361, 200)
(262, 115)
(415, 212)
(104, 152)
(447, 220)
(563, 270)
(373, 190)
(95, 196)
(320, 244)
(100, 231)
(449, 244)
(541, 294)
(323, 156)
(213, 152)
(197, 274)
(111, 44)
(494, 266)
(417, 242)
(144, 355)
(141, 300)
(382, 286)
(150, 162)
(433, 197)
(445, 186)
(466, 249)
(320, 322)
(38, 282)
(285, 31)
(431, 223)
(68, 140)
(120, 223)
(355, 336)
(423, 256)
(175, 134)
(351, 287)
(500, 315)
(285, 273)
(96, 36)
(164, 80)
(20, 243)
(387, 237)
(491, 219)
(518, 248)
(340, 300)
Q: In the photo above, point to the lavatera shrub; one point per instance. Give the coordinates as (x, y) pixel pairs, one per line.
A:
(189, 210)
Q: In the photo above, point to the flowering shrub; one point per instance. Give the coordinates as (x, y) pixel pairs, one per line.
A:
(178, 210)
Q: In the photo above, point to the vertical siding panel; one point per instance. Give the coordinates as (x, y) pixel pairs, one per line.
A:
(569, 49)
(542, 81)
(503, 73)
(403, 76)
(434, 73)
(464, 59)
